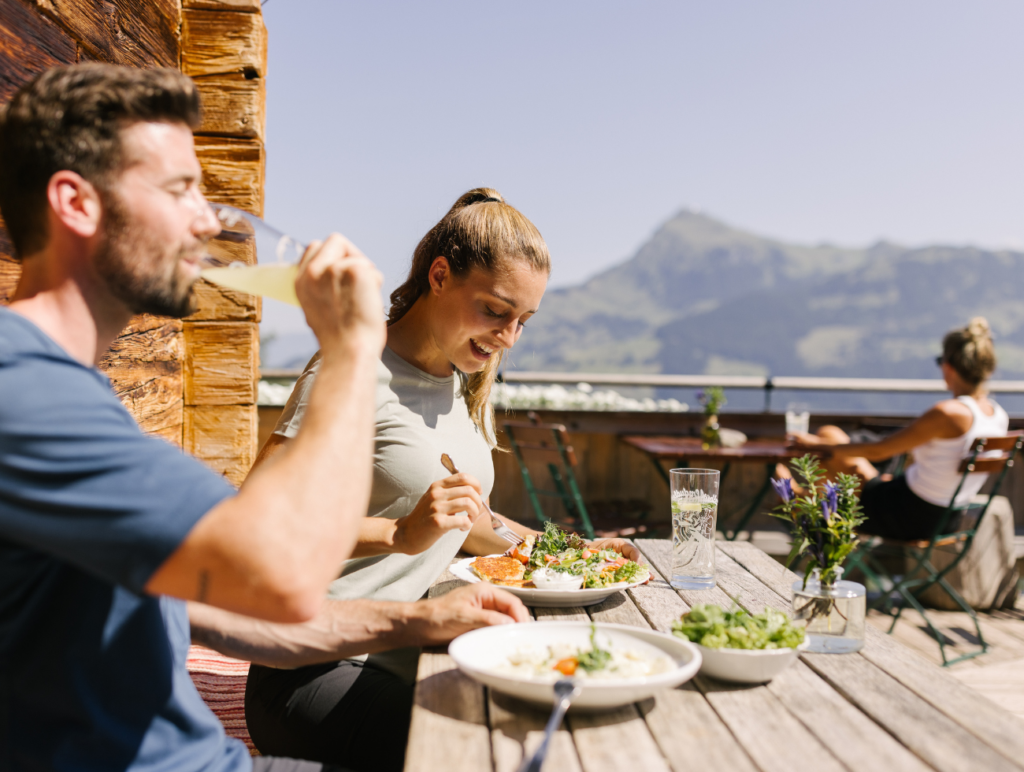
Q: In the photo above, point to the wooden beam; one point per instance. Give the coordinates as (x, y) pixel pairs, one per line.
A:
(145, 366)
(10, 272)
(137, 33)
(168, 426)
(247, 6)
(10, 269)
(233, 104)
(221, 363)
(220, 304)
(223, 438)
(218, 42)
(157, 407)
(149, 347)
(29, 44)
(232, 171)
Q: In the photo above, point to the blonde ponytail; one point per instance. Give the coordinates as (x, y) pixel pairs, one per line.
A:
(479, 231)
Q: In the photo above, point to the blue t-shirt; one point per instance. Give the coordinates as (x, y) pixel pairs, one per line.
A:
(92, 670)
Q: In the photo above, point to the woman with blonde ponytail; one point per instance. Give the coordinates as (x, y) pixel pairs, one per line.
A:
(908, 506)
(476, 278)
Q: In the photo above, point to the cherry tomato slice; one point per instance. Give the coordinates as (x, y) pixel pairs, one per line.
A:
(567, 666)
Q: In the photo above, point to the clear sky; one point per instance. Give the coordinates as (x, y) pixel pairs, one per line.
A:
(807, 121)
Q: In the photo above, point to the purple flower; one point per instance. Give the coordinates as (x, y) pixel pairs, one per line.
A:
(830, 503)
(700, 396)
(784, 488)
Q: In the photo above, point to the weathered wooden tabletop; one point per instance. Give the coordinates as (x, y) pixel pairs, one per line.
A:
(883, 709)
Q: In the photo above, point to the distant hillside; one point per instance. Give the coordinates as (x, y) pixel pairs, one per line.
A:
(702, 297)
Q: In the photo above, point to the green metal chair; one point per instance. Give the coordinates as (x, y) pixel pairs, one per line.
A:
(550, 441)
(899, 591)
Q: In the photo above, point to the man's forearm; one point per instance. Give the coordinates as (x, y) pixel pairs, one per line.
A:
(342, 629)
(271, 551)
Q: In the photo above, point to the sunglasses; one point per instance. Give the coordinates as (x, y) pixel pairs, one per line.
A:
(939, 360)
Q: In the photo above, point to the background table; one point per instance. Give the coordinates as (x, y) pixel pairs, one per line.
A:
(883, 709)
(682, 451)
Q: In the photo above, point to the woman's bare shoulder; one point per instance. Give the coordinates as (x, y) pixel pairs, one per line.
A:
(956, 413)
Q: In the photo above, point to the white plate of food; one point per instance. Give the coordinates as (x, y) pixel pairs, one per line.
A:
(555, 570)
(613, 665)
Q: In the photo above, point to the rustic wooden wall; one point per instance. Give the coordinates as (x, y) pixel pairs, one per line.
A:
(193, 381)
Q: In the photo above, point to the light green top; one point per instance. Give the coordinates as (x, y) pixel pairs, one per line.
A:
(418, 417)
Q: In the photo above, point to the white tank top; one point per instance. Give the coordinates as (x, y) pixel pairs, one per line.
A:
(935, 472)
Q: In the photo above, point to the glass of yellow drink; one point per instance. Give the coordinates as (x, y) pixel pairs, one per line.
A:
(250, 256)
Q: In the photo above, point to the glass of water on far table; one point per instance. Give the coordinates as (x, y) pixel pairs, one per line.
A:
(694, 518)
(250, 256)
(798, 418)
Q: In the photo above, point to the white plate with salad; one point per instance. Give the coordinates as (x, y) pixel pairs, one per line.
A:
(612, 664)
(555, 570)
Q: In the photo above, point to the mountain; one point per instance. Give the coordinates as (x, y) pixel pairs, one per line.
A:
(703, 297)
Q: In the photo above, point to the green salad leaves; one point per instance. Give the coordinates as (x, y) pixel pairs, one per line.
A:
(566, 552)
(597, 658)
(715, 628)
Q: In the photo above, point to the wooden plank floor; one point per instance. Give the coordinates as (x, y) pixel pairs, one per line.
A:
(997, 674)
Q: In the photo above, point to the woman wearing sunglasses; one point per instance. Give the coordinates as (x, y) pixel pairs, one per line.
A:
(908, 506)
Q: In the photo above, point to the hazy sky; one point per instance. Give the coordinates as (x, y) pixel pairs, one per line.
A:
(807, 121)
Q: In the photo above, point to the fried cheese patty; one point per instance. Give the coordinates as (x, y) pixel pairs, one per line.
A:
(499, 570)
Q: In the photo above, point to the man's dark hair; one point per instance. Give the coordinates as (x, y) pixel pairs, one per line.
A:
(71, 118)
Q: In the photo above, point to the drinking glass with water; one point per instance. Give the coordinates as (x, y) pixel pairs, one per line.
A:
(694, 520)
(250, 256)
(798, 418)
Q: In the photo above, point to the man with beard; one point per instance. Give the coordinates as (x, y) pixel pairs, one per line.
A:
(104, 532)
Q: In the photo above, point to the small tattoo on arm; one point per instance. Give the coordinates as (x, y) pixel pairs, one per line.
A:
(204, 586)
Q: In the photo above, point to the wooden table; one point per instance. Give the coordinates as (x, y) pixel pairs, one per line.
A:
(683, 451)
(884, 709)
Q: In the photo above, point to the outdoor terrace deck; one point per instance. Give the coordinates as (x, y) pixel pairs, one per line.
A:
(997, 674)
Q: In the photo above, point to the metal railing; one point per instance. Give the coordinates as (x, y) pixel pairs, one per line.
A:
(768, 384)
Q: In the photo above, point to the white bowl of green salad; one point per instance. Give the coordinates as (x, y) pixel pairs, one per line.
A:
(741, 647)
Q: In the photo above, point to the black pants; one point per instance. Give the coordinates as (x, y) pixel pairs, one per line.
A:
(343, 713)
(896, 512)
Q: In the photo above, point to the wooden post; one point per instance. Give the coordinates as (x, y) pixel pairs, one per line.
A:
(224, 49)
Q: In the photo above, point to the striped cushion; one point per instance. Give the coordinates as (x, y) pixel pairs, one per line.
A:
(221, 681)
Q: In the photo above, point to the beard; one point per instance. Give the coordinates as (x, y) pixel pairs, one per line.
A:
(139, 270)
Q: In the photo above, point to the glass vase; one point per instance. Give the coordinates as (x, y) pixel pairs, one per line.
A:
(834, 613)
(709, 435)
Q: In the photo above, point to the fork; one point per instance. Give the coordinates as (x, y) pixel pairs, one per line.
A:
(566, 690)
(500, 529)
